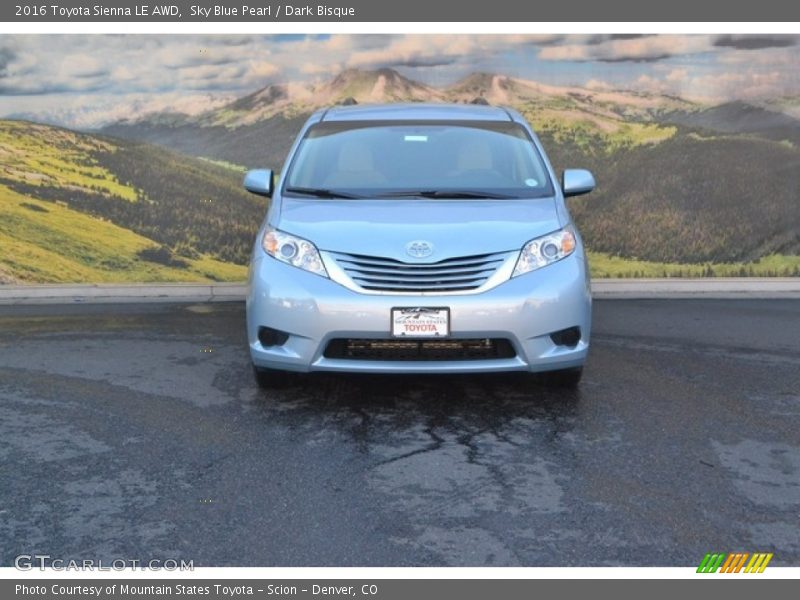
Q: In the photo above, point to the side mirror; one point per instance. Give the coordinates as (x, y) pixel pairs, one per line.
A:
(259, 181)
(575, 182)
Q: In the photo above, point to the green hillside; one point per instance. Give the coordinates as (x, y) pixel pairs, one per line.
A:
(605, 265)
(691, 199)
(79, 208)
(47, 242)
(82, 208)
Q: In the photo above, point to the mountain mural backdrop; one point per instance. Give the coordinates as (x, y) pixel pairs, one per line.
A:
(686, 186)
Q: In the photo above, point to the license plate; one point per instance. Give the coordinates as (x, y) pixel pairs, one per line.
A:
(420, 322)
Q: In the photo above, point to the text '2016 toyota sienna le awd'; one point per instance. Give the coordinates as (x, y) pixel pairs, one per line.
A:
(418, 238)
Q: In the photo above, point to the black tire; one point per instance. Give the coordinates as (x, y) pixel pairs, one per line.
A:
(564, 378)
(271, 379)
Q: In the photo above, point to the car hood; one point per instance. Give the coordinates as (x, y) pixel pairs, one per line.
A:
(386, 227)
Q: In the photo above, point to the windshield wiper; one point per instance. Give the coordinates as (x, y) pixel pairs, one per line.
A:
(320, 192)
(445, 193)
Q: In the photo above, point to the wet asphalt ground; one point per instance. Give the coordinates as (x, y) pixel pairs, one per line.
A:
(137, 432)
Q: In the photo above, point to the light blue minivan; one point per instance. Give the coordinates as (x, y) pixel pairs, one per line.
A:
(418, 238)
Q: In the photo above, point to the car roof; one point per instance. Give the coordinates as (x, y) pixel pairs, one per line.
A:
(417, 110)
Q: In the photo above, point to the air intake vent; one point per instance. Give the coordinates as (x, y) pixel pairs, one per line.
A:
(419, 350)
(271, 337)
(567, 337)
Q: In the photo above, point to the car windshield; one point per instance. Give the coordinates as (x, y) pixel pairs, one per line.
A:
(395, 159)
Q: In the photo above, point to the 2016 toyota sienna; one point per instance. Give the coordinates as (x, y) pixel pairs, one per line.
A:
(418, 238)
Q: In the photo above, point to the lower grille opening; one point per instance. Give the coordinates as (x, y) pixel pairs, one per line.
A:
(422, 350)
(567, 337)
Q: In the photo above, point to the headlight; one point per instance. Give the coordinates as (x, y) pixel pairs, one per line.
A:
(293, 251)
(545, 250)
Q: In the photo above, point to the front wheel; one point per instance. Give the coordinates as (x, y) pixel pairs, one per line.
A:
(563, 378)
(271, 379)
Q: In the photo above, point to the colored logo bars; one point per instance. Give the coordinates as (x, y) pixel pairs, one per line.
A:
(735, 562)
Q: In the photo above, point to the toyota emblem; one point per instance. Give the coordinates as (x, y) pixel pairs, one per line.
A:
(419, 249)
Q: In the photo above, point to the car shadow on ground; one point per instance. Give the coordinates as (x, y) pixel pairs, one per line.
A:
(379, 408)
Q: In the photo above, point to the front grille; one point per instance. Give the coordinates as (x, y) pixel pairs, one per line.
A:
(422, 350)
(462, 273)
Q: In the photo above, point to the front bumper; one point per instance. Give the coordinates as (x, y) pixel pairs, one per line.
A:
(314, 310)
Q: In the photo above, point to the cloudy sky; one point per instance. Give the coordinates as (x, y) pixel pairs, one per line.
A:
(86, 80)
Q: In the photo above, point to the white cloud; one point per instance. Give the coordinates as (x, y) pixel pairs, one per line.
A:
(654, 85)
(646, 48)
(677, 75)
(92, 111)
(435, 50)
(741, 85)
(311, 68)
(783, 57)
(717, 87)
(598, 85)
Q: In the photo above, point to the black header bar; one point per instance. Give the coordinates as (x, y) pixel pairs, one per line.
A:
(262, 11)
